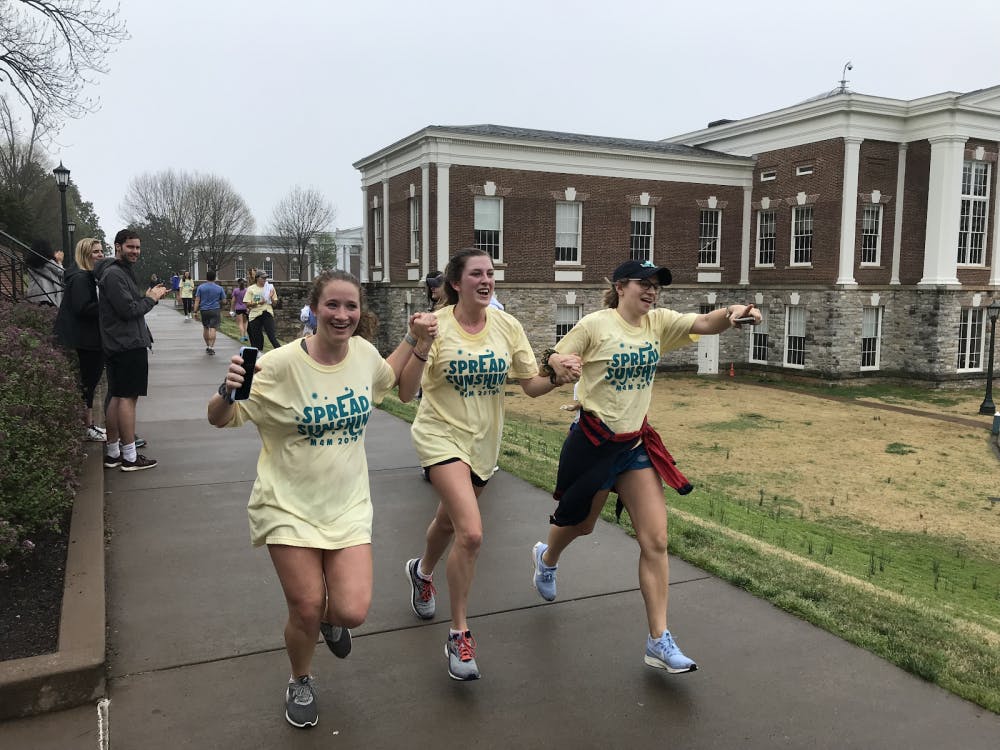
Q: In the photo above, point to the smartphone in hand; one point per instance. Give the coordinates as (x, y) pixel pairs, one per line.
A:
(249, 355)
(749, 319)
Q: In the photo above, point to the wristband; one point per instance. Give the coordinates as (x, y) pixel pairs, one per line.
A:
(226, 393)
(410, 339)
(546, 368)
(418, 355)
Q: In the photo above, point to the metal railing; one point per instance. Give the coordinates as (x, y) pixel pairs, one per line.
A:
(14, 272)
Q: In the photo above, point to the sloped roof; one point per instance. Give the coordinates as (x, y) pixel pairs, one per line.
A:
(578, 139)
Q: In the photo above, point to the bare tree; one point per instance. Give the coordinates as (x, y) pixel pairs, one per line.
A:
(296, 221)
(49, 48)
(228, 221)
(183, 216)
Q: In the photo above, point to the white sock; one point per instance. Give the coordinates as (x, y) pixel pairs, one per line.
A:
(452, 632)
(128, 451)
(113, 449)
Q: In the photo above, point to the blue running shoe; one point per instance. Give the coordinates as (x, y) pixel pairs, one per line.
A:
(461, 652)
(663, 653)
(544, 576)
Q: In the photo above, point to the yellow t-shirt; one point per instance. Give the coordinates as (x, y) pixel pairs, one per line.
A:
(257, 295)
(461, 412)
(187, 288)
(619, 361)
(312, 474)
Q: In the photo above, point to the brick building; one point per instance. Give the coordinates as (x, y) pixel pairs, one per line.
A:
(863, 227)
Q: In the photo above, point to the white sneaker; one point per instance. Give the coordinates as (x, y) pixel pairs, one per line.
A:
(95, 434)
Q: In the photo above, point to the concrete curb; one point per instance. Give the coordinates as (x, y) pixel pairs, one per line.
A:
(75, 673)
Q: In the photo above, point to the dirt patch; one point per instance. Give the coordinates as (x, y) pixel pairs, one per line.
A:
(893, 471)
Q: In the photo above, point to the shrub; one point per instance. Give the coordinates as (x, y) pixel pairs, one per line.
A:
(40, 416)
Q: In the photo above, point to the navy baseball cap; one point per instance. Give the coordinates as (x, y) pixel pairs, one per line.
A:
(634, 269)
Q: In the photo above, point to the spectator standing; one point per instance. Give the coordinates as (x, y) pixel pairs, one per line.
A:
(78, 328)
(126, 340)
(175, 287)
(45, 274)
(208, 301)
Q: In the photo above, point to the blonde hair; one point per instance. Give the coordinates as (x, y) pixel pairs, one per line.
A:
(83, 251)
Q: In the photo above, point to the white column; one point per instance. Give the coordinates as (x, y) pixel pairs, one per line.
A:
(849, 211)
(425, 217)
(385, 231)
(364, 235)
(745, 245)
(995, 272)
(897, 224)
(944, 195)
(443, 209)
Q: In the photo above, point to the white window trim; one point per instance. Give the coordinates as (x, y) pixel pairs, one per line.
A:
(267, 266)
(804, 170)
(718, 239)
(812, 235)
(652, 230)
(415, 209)
(769, 175)
(878, 235)
(499, 200)
(377, 235)
(878, 337)
(970, 311)
(579, 235)
(973, 199)
(785, 362)
(774, 238)
(758, 330)
(578, 313)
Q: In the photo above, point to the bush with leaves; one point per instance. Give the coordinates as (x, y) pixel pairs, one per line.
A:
(41, 450)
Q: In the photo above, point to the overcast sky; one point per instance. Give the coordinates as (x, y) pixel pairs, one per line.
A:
(274, 94)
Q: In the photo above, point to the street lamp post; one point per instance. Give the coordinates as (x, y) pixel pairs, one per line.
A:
(988, 407)
(62, 180)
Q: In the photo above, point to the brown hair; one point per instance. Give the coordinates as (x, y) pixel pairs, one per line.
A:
(368, 324)
(611, 298)
(453, 271)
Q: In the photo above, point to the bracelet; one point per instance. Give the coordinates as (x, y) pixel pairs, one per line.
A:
(552, 378)
(410, 339)
(546, 368)
(226, 393)
(418, 355)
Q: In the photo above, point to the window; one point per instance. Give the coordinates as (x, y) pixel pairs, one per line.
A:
(641, 233)
(970, 339)
(268, 267)
(294, 268)
(567, 316)
(768, 175)
(415, 229)
(871, 235)
(766, 223)
(568, 216)
(972, 219)
(871, 333)
(377, 234)
(758, 340)
(241, 268)
(709, 227)
(805, 169)
(802, 235)
(489, 226)
(795, 337)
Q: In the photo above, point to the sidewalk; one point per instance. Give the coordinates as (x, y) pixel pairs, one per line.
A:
(195, 615)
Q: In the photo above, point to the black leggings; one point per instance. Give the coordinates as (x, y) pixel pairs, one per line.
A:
(188, 304)
(263, 323)
(91, 368)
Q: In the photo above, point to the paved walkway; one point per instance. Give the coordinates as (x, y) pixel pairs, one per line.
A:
(195, 626)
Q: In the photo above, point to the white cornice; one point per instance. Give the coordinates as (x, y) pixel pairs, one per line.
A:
(442, 146)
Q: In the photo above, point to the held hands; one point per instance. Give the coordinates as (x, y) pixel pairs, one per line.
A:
(424, 326)
(567, 368)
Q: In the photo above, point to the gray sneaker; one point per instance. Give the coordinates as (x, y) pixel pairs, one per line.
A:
(300, 703)
(140, 463)
(421, 591)
(338, 639)
(461, 652)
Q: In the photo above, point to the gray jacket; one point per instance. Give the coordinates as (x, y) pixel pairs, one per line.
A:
(45, 284)
(123, 307)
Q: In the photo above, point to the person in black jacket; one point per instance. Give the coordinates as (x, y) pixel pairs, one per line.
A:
(125, 339)
(78, 327)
